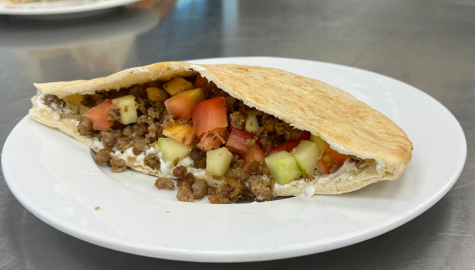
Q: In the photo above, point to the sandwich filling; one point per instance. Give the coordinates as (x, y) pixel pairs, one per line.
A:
(188, 127)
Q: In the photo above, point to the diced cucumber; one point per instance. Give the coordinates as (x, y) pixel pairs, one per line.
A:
(306, 154)
(218, 161)
(177, 85)
(128, 112)
(321, 144)
(171, 149)
(251, 124)
(283, 167)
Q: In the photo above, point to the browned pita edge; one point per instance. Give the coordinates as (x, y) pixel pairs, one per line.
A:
(348, 125)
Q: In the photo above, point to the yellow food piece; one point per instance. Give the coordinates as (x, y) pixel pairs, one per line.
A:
(181, 133)
(75, 100)
(156, 94)
(97, 97)
(177, 85)
(128, 112)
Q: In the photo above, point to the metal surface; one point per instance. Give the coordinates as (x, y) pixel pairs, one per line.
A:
(427, 44)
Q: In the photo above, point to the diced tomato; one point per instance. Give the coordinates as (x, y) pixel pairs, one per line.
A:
(254, 153)
(237, 141)
(182, 104)
(210, 114)
(213, 139)
(290, 144)
(277, 148)
(98, 115)
(287, 146)
(305, 136)
(200, 82)
(329, 158)
(191, 137)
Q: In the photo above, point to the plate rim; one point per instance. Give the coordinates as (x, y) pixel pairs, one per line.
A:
(269, 254)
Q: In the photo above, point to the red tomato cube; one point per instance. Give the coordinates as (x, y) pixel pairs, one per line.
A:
(237, 141)
(98, 115)
(210, 114)
(182, 104)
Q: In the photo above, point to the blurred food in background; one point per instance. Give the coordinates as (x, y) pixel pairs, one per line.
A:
(31, 4)
(101, 51)
(161, 7)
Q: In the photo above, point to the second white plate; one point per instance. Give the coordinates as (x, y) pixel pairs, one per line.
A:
(60, 7)
(55, 178)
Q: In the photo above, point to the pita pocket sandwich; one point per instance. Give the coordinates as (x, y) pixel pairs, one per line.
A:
(232, 132)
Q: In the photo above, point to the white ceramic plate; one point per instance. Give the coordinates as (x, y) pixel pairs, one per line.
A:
(55, 178)
(60, 7)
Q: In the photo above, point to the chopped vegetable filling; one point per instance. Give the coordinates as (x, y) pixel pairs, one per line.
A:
(192, 119)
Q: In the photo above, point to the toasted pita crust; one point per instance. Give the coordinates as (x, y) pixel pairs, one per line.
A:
(348, 125)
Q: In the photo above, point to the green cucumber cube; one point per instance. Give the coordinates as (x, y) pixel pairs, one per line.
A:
(128, 112)
(171, 149)
(252, 125)
(283, 167)
(306, 154)
(218, 161)
(321, 144)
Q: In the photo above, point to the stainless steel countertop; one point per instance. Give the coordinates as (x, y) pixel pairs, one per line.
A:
(428, 44)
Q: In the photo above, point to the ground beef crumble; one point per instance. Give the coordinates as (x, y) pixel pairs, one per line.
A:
(200, 188)
(118, 165)
(113, 114)
(49, 100)
(85, 126)
(164, 183)
(109, 137)
(180, 172)
(231, 191)
(199, 159)
(238, 120)
(103, 156)
(152, 161)
(261, 187)
(185, 193)
(188, 179)
(256, 168)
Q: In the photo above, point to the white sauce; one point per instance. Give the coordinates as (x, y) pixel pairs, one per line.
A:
(54, 110)
(308, 191)
(165, 166)
(98, 143)
(42, 106)
(129, 152)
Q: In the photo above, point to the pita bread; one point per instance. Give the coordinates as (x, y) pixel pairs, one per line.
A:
(348, 125)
